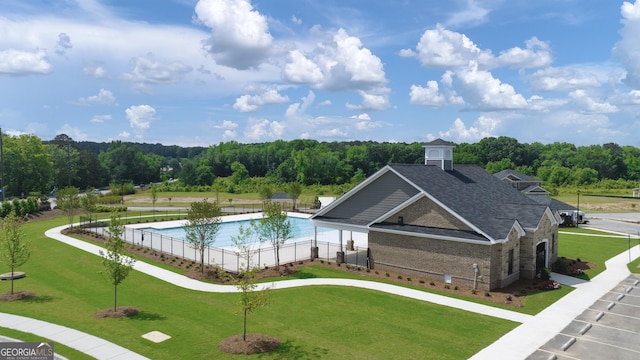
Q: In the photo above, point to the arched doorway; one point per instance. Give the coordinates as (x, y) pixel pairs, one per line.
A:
(541, 257)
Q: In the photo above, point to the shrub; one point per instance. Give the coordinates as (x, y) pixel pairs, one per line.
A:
(474, 291)
(455, 287)
(561, 266)
(408, 279)
(447, 286)
(387, 274)
(421, 281)
(432, 283)
(399, 277)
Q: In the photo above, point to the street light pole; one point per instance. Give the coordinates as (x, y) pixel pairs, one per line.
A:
(578, 211)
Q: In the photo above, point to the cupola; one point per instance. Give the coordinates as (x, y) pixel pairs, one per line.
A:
(439, 153)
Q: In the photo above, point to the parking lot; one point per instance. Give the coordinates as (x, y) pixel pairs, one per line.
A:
(608, 329)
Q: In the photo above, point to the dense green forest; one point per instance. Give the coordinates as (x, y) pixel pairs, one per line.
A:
(33, 166)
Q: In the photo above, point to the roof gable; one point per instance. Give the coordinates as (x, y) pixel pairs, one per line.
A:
(385, 190)
(476, 196)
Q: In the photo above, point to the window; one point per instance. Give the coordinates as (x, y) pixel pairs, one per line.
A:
(510, 263)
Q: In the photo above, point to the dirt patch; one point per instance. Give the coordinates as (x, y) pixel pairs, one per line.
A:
(17, 295)
(120, 312)
(254, 344)
(45, 215)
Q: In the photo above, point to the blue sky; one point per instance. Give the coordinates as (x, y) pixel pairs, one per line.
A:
(195, 73)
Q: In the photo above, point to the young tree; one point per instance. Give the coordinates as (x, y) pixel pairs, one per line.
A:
(275, 228)
(117, 265)
(154, 195)
(265, 192)
(14, 250)
(203, 223)
(294, 189)
(88, 202)
(69, 201)
(250, 299)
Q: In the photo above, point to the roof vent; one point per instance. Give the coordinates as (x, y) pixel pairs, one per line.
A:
(440, 153)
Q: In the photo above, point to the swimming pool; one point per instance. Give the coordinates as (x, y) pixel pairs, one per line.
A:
(301, 229)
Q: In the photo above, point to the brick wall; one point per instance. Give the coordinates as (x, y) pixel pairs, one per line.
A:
(431, 258)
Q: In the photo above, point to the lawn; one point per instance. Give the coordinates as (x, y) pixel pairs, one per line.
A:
(577, 244)
(313, 322)
(634, 266)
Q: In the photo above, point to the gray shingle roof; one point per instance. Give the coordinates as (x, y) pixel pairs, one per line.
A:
(480, 198)
(505, 173)
(477, 196)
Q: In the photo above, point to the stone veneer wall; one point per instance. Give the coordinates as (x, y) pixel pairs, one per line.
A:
(432, 258)
(501, 260)
(546, 230)
(425, 212)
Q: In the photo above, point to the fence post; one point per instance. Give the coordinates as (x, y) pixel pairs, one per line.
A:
(183, 249)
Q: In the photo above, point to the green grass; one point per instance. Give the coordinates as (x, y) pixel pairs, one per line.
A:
(594, 249)
(634, 266)
(313, 322)
(532, 303)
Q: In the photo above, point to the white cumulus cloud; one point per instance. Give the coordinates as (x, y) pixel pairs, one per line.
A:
(240, 35)
(263, 129)
(483, 127)
(627, 50)
(147, 70)
(104, 97)
(485, 92)
(246, 103)
(140, 116)
(20, 62)
(562, 79)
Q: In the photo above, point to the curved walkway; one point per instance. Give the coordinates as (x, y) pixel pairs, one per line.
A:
(88, 344)
(517, 344)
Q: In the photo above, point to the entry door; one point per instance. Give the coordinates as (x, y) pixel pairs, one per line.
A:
(541, 257)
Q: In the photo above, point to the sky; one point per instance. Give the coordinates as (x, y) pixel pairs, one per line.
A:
(197, 73)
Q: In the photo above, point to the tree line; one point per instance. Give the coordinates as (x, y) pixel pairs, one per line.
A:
(32, 166)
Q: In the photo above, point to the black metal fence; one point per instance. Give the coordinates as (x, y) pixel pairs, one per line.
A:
(229, 260)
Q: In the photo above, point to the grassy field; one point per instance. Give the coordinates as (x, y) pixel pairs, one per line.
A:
(576, 243)
(601, 203)
(184, 199)
(313, 322)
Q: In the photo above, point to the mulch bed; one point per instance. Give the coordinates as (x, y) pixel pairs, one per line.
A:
(254, 344)
(120, 312)
(17, 295)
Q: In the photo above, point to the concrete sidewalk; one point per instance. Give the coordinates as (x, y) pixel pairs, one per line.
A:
(88, 344)
(534, 333)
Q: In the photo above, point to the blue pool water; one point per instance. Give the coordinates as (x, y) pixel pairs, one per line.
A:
(301, 228)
